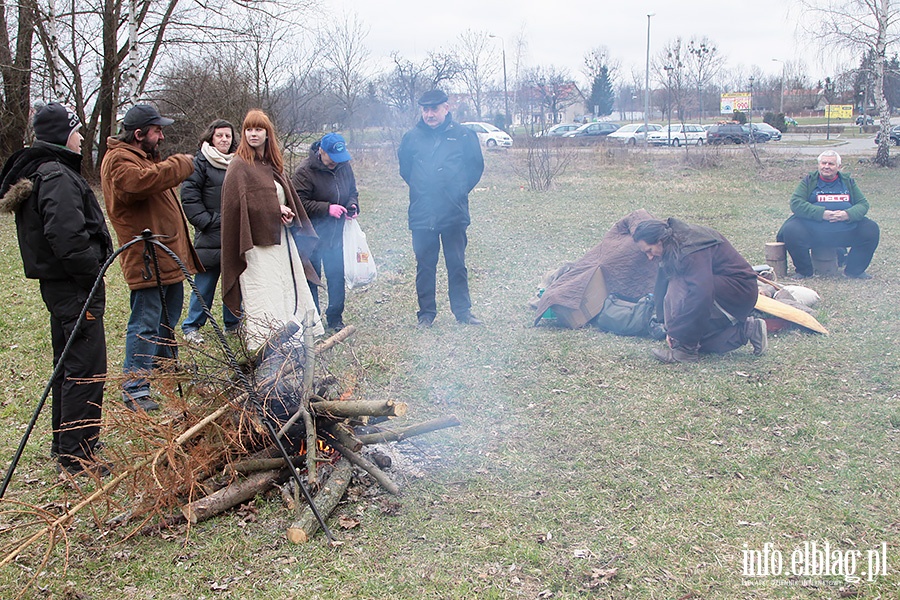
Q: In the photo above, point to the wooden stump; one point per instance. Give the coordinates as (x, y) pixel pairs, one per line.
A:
(824, 261)
(776, 257)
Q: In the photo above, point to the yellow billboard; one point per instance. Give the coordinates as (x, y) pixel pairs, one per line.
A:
(839, 111)
(732, 101)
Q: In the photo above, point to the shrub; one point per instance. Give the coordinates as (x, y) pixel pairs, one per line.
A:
(776, 121)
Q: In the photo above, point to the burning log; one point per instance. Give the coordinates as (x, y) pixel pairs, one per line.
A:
(231, 495)
(344, 434)
(302, 530)
(359, 408)
(413, 430)
(377, 474)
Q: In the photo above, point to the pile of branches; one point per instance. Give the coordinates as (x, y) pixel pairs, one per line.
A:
(224, 437)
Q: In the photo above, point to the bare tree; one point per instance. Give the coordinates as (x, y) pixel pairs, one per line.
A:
(103, 55)
(16, 54)
(408, 80)
(596, 60)
(478, 62)
(343, 48)
(520, 55)
(671, 72)
(861, 25)
(702, 64)
(553, 90)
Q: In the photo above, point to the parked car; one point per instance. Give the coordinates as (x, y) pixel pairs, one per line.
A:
(759, 136)
(679, 135)
(558, 130)
(631, 134)
(489, 135)
(727, 133)
(774, 134)
(593, 130)
(865, 120)
(895, 136)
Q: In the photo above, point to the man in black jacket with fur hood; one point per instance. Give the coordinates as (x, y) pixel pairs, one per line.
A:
(64, 242)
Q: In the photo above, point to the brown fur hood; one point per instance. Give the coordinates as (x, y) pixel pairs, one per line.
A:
(16, 195)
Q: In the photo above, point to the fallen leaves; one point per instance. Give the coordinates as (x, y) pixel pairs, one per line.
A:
(602, 576)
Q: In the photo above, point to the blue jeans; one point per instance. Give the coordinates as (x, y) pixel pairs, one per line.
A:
(332, 260)
(196, 316)
(147, 337)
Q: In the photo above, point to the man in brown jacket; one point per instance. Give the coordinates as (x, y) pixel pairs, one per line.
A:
(138, 188)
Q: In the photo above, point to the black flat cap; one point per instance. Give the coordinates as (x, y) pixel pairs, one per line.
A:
(143, 115)
(432, 98)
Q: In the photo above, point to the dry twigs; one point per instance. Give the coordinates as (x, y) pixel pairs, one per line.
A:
(209, 452)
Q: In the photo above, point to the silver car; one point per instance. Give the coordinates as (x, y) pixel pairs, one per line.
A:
(679, 135)
(489, 135)
(632, 134)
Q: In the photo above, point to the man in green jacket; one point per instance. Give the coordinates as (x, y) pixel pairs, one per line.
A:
(829, 212)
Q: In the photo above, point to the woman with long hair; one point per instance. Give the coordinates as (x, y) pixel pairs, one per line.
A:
(705, 290)
(266, 238)
(201, 197)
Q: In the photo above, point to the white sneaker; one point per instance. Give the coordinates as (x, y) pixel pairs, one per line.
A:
(194, 337)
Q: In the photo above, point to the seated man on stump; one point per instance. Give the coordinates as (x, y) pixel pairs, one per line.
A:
(829, 212)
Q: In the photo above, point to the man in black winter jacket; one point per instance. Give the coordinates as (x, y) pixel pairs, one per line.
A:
(441, 162)
(327, 189)
(64, 242)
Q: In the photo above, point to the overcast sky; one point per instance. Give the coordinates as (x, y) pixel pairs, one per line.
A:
(560, 32)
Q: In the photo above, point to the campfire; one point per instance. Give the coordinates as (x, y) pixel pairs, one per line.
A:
(214, 448)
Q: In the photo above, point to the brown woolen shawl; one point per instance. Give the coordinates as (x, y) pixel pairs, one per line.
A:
(626, 270)
(251, 216)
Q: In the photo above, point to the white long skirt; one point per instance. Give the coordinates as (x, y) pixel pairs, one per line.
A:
(274, 291)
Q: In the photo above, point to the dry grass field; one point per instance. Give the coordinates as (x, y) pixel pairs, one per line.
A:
(583, 468)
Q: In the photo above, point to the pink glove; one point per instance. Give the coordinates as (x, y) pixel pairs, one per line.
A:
(336, 210)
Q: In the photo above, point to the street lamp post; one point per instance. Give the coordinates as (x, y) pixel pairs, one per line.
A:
(750, 112)
(829, 88)
(781, 100)
(647, 84)
(507, 120)
(669, 69)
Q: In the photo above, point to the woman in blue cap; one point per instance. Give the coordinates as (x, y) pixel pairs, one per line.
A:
(327, 189)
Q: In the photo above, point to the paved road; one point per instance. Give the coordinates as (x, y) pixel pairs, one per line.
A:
(789, 144)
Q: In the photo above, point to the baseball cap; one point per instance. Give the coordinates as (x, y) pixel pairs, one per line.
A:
(143, 115)
(335, 147)
(54, 123)
(433, 98)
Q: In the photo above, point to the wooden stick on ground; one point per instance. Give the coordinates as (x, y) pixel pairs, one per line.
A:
(379, 475)
(402, 433)
(231, 495)
(772, 283)
(301, 530)
(359, 408)
(254, 465)
(336, 339)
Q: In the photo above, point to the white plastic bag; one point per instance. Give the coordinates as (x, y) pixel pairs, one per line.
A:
(359, 265)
